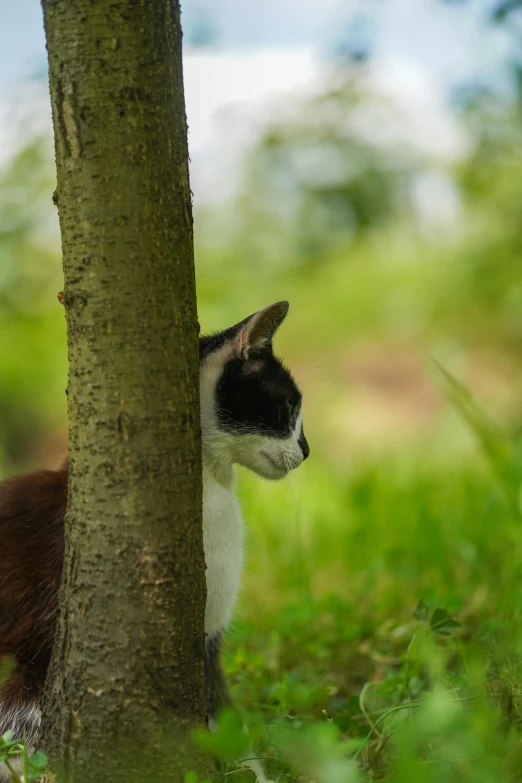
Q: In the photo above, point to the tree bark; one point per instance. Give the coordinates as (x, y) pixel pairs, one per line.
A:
(126, 680)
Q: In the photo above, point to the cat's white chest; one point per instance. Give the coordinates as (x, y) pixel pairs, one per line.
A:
(223, 544)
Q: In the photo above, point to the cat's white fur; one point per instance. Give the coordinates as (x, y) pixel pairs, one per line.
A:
(223, 544)
(269, 457)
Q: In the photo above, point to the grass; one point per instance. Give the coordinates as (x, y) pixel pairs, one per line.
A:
(378, 633)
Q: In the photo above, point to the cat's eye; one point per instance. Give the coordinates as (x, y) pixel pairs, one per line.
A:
(290, 405)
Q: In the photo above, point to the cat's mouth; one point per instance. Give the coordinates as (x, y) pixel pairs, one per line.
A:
(280, 469)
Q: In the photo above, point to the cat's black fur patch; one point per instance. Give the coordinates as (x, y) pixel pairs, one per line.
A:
(258, 396)
(216, 692)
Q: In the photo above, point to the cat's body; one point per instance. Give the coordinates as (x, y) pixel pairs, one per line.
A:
(32, 509)
(250, 414)
(223, 541)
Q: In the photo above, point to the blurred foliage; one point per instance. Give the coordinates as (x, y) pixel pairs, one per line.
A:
(490, 180)
(33, 357)
(504, 9)
(499, 11)
(23, 766)
(378, 637)
(329, 169)
(378, 631)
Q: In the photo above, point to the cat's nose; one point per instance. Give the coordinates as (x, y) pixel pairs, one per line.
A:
(305, 448)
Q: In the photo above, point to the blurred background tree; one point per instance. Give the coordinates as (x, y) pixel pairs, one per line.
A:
(327, 171)
(33, 361)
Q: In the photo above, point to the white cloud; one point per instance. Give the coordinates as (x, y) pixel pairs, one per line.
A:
(230, 97)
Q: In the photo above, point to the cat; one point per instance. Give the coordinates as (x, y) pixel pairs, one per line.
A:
(251, 414)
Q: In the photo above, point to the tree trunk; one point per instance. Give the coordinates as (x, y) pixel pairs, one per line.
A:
(126, 680)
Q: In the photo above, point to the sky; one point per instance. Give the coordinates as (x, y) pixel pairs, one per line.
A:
(239, 55)
(451, 39)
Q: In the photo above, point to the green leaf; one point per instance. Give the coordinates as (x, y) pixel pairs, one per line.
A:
(7, 743)
(230, 740)
(421, 611)
(442, 622)
(38, 760)
(501, 450)
(191, 777)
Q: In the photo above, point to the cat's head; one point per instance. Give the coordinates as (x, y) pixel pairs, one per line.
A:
(251, 408)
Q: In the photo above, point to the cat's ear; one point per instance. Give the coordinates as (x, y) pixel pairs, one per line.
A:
(258, 331)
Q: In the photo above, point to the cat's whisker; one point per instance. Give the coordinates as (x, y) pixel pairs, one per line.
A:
(295, 488)
(307, 370)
